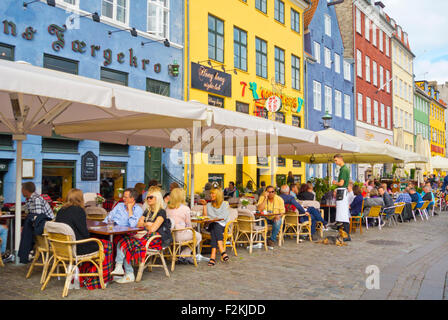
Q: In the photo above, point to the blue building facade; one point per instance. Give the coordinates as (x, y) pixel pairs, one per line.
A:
(67, 38)
(329, 77)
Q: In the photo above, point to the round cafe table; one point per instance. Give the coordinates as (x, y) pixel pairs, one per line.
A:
(200, 222)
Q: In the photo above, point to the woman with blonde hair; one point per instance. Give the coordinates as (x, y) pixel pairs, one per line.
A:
(181, 215)
(217, 208)
(132, 249)
(72, 213)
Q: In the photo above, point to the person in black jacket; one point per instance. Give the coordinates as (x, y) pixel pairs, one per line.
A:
(73, 214)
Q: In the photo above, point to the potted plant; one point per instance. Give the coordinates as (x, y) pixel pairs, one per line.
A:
(99, 200)
(244, 203)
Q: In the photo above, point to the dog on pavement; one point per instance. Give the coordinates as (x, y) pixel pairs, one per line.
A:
(335, 240)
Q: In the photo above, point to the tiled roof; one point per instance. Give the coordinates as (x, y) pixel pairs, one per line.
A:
(310, 13)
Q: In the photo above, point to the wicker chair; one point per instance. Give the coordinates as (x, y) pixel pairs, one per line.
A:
(399, 210)
(63, 244)
(96, 213)
(1, 261)
(356, 221)
(41, 250)
(177, 246)
(292, 225)
(247, 231)
(150, 260)
(414, 204)
(228, 235)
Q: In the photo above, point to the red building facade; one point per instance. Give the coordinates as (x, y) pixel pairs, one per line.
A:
(373, 68)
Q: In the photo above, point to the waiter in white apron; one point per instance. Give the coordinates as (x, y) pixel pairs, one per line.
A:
(342, 205)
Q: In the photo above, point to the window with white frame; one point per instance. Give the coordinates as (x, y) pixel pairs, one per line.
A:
(383, 116)
(381, 77)
(368, 110)
(396, 85)
(401, 88)
(367, 69)
(337, 103)
(327, 58)
(328, 100)
(367, 28)
(374, 34)
(375, 74)
(388, 81)
(389, 117)
(375, 112)
(396, 117)
(158, 17)
(328, 25)
(317, 95)
(359, 63)
(317, 51)
(347, 71)
(117, 10)
(387, 45)
(72, 3)
(380, 33)
(401, 118)
(337, 63)
(360, 109)
(358, 21)
(347, 107)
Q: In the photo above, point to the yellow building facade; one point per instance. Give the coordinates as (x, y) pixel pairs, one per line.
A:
(252, 49)
(436, 119)
(403, 97)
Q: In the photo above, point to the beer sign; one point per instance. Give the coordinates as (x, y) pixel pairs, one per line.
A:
(273, 104)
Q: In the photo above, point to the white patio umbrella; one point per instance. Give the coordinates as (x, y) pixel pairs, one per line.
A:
(35, 100)
(439, 162)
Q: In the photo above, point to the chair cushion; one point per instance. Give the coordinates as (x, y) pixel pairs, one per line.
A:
(89, 255)
(259, 228)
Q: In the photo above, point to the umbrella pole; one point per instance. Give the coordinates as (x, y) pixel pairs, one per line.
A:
(192, 180)
(18, 217)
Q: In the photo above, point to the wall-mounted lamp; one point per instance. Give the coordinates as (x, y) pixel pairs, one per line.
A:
(327, 120)
(133, 32)
(173, 69)
(95, 17)
(208, 62)
(51, 3)
(166, 42)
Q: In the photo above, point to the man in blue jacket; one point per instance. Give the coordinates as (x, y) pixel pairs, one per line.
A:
(416, 197)
(311, 212)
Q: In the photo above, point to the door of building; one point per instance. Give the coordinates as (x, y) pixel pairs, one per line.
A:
(58, 177)
(153, 164)
(113, 178)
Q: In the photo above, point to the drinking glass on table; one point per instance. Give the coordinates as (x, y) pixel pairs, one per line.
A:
(110, 224)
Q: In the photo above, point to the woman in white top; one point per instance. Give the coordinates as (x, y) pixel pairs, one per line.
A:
(179, 213)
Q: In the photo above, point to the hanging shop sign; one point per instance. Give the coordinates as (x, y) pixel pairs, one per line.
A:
(211, 80)
(215, 101)
(89, 167)
(81, 47)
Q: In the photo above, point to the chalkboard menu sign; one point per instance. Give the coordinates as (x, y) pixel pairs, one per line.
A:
(89, 167)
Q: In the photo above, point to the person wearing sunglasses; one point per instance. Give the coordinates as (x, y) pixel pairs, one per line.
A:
(272, 203)
(132, 249)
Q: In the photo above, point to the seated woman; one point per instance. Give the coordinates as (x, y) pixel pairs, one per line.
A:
(306, 193)
(132, 249)
(374, 200)
(217, 208)
(180, 214)
(73, 214)
(356, 205)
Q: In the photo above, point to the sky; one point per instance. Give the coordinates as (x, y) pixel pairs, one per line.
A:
(426, 23)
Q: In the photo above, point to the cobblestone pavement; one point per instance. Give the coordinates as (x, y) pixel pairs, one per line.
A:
(412, 259)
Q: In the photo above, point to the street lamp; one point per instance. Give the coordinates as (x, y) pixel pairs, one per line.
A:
(327, 120)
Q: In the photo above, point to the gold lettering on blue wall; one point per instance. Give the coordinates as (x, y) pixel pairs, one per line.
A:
(78, 46)
(94, 49)
(7, 25)
(29, 33)
(132, 59)
(59, 32)
(107, 54)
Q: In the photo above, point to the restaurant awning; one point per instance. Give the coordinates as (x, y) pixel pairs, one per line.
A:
(39, 101)
(439, 163)
(369, 151)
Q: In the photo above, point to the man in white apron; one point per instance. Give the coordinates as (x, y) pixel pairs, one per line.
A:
(342, 205)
